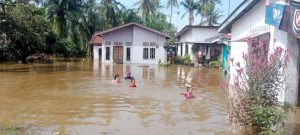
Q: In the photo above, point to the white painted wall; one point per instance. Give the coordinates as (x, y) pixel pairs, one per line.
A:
(122, 35)
(201, 34)
(141, 35)
(96, 52)
(254, 18)
(137, 36)
(198, 35)
(241, 29)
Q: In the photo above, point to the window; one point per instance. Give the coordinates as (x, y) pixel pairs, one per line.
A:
(145, 53)
(152, 53)
(107, 53)
(128, 53)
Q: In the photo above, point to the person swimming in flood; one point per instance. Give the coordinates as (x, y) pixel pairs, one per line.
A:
(116, 79)
(129, 76)
(189, 92)
(132, 83)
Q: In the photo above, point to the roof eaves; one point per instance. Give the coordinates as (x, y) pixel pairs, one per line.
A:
(242, 9)
(132, 23)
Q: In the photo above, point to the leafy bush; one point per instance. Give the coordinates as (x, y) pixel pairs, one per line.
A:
(178, 60)
(214, 64)
(186, 59)
(166, 64)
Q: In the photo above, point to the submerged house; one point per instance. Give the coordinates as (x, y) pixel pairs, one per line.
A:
(248, 22)
(199, 42)
(131, 43)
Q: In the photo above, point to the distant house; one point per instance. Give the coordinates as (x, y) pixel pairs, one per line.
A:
(248, 22)
(95, 46)
(199, 40)
(131, 43)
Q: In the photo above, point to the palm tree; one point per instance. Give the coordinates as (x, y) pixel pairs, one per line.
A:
(172, 3)
(147, 6)
(190, 6)
(59, 11)
(110, 9)
(211, 17)
(205, 6)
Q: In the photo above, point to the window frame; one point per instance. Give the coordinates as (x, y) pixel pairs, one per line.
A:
(128, 48)
(107, 53)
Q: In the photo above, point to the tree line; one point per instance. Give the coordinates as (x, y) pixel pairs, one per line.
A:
(64, 27)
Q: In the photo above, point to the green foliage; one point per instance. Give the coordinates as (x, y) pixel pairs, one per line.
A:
(64, 27)
(265, 117)
(165, 64)
(182, 60)
(214, 64)
(186, 59)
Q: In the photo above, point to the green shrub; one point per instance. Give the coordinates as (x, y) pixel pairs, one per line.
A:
(178, 60)
(166, 64)
(186, 59)
(214, 64)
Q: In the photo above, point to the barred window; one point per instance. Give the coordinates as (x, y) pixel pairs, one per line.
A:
(145, 53)
(152, 53)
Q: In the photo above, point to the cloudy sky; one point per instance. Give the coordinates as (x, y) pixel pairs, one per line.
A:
(181, 22)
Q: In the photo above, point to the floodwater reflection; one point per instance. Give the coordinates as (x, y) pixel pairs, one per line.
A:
(77, 97)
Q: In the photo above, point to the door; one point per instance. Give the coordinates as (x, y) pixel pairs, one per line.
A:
(118, 54)
(100, 54)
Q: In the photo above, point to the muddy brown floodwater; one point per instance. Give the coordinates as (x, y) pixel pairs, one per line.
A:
(77, 97)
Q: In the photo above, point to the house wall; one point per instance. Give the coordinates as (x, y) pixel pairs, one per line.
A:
(122, 35)
(196, 35)
(254, 18)
(241, 29)
(141, 35)
(137, 36)
(199, 35)
(289, 42)
(96, 52)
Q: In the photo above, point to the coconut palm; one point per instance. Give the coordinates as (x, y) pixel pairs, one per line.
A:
(60, 11)
(211, 17)
(110, 9)
(147, 6)
(206, 6)
(190, 6)
(172, 3)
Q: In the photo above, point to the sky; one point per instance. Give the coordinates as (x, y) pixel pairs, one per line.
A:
(181, 22)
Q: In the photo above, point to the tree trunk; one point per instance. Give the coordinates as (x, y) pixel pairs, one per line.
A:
(191, 18)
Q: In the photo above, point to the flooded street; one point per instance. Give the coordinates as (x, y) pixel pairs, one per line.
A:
(79, 98)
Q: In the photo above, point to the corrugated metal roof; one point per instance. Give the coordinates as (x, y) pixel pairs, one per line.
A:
(189, 27)
(130, 24)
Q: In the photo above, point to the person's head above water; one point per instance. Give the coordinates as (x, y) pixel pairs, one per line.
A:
(128, 74)
(116, 76)
(188, 87)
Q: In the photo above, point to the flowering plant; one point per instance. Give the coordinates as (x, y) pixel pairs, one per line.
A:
(253, 97)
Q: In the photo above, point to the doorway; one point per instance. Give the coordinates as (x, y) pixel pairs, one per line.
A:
(100, 54)
(118, 54)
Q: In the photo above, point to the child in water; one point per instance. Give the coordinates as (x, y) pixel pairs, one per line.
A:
(129, 76)
(189, 92)
(132, 83)
(116, 79)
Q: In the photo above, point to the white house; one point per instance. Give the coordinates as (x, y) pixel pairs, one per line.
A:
(131, 43)
(198, 39)
(248, 21)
